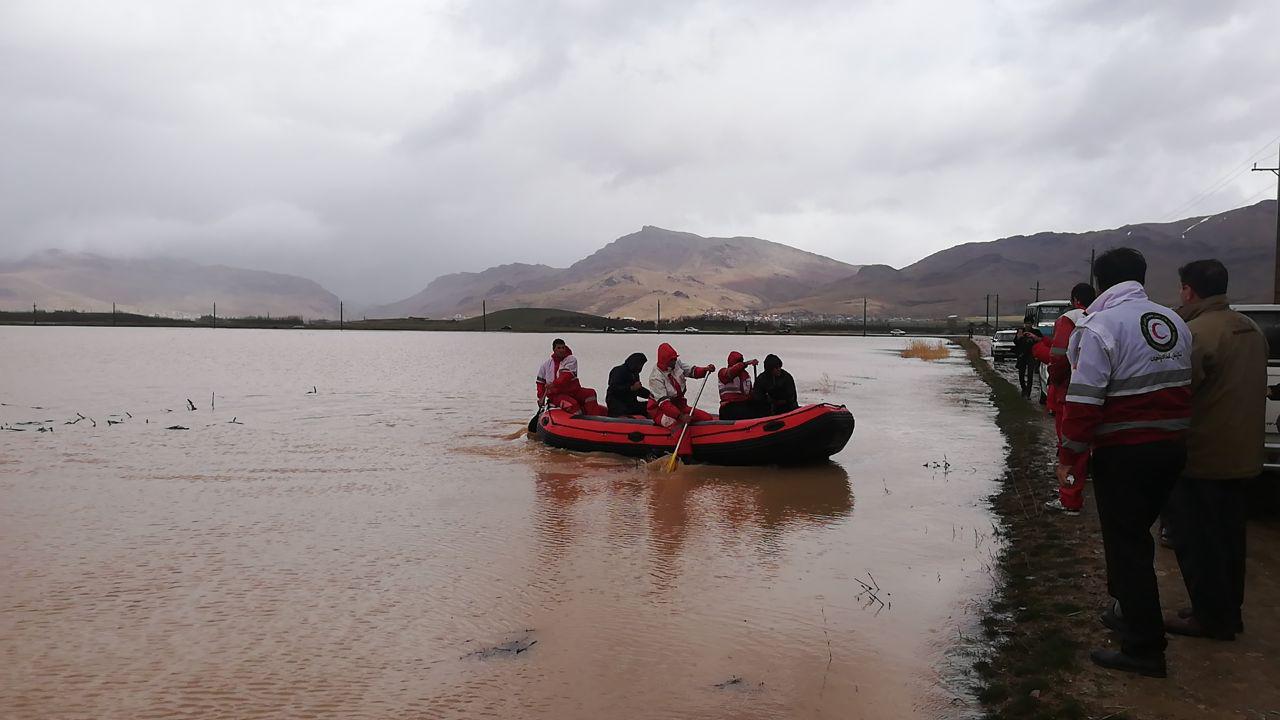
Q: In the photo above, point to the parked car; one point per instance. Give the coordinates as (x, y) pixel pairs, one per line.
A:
(692, 329)
(897, 331)
(1002, 345)
(630, 329)
(1268, 319)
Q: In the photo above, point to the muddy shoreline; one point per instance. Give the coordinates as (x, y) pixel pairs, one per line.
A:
(1043, 617)
(1029, 620)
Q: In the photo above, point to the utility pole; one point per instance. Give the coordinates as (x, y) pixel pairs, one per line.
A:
(1093, 252)
(1037, 289)
(484, 316)
(33, 313)
(113, 313)
(986, 319)
(997, 311)
(657, 326)
(339, 314)
(1276, 170)
(215, 315)
(864, 317)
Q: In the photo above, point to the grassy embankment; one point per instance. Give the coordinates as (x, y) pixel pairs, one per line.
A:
(1037, 620)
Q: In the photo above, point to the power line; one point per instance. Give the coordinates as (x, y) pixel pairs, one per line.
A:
(1222, 182)
(1260, 193)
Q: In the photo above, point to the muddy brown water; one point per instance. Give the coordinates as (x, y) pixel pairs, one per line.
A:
(379, 548)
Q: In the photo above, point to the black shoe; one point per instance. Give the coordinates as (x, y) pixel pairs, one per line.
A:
(1113, 620)
(1148, 665)
(1186, 612)
(1192, 627)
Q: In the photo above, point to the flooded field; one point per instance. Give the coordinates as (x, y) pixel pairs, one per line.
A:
(380, 548)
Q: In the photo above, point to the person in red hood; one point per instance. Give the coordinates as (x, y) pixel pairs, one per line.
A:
(667, 384)
(1052, 351)
(558, 384)
(736, 402)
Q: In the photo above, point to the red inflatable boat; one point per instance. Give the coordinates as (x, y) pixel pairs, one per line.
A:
(810, 434)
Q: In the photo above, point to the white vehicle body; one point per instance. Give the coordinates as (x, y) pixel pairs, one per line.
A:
(1268, 319)
(1002, 344)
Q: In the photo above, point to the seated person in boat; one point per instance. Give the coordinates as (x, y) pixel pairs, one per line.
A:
(626, 394)
(558, 384)
(667, 384)
(775, 389)
(736, 402)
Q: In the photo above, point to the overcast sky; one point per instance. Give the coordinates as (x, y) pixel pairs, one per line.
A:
(374, 145)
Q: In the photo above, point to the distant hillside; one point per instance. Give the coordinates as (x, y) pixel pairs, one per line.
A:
(450, 295)
(688, 273)
(957, 280)
(80, 281)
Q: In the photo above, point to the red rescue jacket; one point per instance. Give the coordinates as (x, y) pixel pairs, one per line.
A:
(735, 383)
(557, 377)
(1052, 352)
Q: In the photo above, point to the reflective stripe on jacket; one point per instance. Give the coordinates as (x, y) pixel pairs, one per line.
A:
(1053, 353)
(735, 383)
(557, 376)
(1130, 374)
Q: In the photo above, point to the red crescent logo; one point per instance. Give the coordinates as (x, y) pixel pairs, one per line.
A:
(1155, 332)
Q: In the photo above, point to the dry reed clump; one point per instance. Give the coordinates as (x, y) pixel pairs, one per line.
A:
(926, 350)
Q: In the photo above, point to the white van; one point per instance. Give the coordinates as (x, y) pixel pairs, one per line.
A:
(1268, 319)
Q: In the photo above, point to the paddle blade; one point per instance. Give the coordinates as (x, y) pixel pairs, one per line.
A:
(673, 463)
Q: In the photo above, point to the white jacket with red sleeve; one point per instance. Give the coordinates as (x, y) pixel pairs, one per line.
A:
(557, 376)
(1130, 374)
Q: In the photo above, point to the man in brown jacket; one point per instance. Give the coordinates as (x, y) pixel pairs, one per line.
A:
(1224, 450)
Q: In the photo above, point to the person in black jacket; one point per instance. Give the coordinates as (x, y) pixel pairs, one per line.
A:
(1028, 366)
(775, 389)
(626, 394)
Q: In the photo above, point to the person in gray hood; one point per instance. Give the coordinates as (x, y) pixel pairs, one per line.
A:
(627, 395)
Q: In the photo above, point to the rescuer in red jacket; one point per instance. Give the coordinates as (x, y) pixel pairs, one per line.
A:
(1129, 403)
(1052, 351)
(736, 402)
(558, 383)
(667, 384)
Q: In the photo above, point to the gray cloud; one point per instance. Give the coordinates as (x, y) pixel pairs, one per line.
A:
(373, 148)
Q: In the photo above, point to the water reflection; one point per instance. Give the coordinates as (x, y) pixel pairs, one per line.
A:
(350, 548)
(662, 512)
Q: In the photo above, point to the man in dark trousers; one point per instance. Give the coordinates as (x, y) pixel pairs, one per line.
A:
(626, 394)
(775, 389)
(1028, 366)
(1224, 450)
(1130, 402)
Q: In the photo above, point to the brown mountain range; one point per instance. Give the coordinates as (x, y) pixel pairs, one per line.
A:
(692, 274)
(956, 280)
(81, 281)
(687, 273)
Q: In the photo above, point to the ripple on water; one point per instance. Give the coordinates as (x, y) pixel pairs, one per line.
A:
(345, 553)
